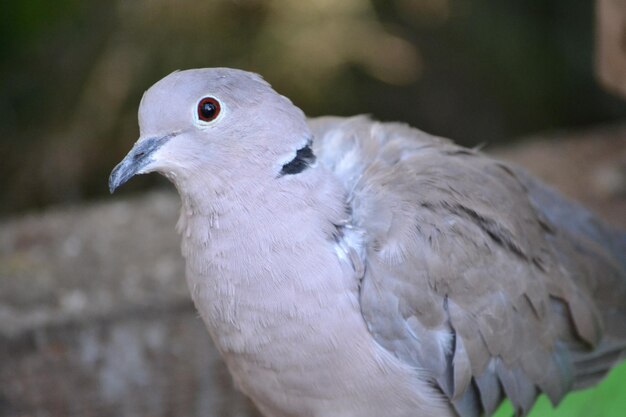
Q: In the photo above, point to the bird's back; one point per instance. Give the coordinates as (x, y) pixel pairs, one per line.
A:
(475, 271)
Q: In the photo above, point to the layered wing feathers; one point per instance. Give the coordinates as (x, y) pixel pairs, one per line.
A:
(466, 275)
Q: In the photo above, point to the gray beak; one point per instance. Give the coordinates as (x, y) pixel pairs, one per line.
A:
(135, 161)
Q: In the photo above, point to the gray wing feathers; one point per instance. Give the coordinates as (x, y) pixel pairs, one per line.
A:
(490, 390)
(588, 244)
(572, 217)
(473, 272)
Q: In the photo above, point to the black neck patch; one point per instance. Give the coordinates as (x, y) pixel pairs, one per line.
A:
(304, 159)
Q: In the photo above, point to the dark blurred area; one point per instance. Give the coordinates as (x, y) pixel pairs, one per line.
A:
(72, 73)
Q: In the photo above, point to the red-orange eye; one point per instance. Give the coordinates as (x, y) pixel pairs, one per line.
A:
(208, 109)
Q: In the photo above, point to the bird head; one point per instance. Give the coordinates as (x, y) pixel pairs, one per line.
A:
(214, 121)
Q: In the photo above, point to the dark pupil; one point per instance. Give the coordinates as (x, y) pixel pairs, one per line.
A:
(208, 109)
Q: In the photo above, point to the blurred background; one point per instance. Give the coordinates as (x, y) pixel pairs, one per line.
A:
(72, 73)
(95, 317)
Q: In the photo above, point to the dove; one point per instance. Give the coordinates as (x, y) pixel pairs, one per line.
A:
(352, 268)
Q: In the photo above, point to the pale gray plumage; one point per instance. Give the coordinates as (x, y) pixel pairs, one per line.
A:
(399, 274)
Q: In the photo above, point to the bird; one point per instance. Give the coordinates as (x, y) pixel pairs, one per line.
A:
(355, 268)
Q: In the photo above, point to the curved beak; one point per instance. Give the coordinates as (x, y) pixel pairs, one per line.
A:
(136, 160)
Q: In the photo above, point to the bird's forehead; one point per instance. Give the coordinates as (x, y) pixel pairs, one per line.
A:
(173, 99)
(187, 86)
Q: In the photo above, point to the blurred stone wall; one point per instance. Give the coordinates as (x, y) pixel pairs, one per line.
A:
(95, 318)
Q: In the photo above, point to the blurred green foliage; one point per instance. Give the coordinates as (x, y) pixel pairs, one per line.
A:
(24, 22)
(72, 72)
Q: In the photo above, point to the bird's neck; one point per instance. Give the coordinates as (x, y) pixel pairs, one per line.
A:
(251, 257)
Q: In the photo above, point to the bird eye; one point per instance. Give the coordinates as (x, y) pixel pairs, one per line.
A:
(208, 109)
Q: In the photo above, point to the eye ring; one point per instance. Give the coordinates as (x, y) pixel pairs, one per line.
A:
(208, 109)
